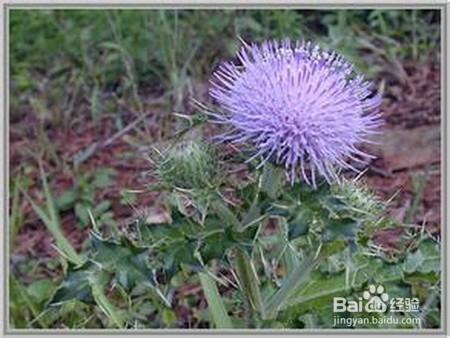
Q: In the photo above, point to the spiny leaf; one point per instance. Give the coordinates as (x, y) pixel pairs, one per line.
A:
(75, 285)
(126, 261)
(86, 284)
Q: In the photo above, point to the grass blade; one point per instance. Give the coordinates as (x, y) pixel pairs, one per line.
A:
(215, 303)
(16, 216)
(249, 281)
(50, 218)
(104, 304)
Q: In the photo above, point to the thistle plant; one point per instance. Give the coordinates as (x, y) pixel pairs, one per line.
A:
(287, 240)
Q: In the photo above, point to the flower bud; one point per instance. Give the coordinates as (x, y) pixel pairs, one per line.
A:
(357, 198)
(187, 165)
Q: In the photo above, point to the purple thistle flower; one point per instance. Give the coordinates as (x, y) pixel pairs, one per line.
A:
(301, 107)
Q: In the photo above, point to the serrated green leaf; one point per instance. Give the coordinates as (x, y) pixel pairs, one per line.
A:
(317, 295)
(321, 288)
(86, 284)
(336, 228)
(75, 286)
(299, 224)
(126, 261)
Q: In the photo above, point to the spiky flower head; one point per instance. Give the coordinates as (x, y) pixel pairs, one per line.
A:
(300, 106)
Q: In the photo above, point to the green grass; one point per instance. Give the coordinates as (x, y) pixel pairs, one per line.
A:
(50, 217)
(74, 54)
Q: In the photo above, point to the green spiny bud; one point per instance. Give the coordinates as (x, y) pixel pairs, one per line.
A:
(357, 198)
(187, 165)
